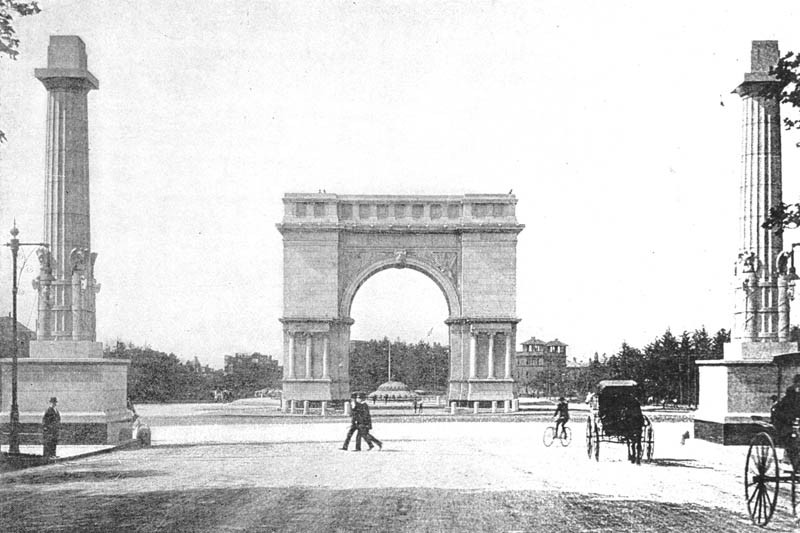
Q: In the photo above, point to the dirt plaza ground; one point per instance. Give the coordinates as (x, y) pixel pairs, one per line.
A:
(232, 474)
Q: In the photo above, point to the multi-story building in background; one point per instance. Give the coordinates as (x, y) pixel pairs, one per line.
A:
(541, 367)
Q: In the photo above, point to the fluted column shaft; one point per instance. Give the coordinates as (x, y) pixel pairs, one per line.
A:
(508, 356)
(472, 361)
(325, 356)
(309, 344)
(290, 358)
(490, 360)
(760, 191)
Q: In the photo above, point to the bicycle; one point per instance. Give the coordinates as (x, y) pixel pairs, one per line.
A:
(550, 435)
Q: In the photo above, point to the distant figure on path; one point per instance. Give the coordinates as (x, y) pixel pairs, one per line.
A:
(353, 426)
(415, 405)
(419, 407)
(51, 423)
(363, 422)
(130, 406)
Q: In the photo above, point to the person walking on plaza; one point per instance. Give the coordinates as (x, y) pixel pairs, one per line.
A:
(562, 414)
(363, 423)
(353, 426)
(51, 422)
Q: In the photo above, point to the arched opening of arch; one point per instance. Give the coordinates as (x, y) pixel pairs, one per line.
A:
(401, 309)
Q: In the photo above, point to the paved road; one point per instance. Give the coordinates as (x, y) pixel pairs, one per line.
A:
(470, 476)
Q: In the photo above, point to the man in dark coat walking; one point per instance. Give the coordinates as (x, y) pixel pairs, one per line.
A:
(51, 423)
(353, 426)
(363, 422)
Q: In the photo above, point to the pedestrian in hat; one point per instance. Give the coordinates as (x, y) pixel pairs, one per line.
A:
(363, 422)
(51, 423)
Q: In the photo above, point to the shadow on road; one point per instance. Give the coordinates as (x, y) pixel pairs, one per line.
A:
(683, 463)
(55, 477)
(295, 509)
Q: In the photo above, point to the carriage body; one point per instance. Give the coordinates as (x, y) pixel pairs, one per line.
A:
(773, 457)
(615, 416)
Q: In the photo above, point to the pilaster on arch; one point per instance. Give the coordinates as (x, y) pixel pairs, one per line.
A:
(444, 283)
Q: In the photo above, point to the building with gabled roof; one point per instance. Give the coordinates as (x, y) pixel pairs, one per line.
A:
(541, 367)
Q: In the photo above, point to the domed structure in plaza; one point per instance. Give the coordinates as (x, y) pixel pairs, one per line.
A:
(395, 390)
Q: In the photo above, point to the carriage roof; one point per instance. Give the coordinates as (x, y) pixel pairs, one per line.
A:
(617, 395)
(604, 384)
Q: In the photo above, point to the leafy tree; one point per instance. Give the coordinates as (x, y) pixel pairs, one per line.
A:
(9, 43)
(720, 338)
(156, 377)
(420, 365)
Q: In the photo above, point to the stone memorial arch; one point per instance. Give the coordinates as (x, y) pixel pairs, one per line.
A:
(332, 244)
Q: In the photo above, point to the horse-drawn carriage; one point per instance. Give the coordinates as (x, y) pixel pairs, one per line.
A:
(764, 471)
(615, 416)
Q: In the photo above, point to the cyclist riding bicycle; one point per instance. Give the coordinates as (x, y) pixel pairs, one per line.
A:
(561, 415)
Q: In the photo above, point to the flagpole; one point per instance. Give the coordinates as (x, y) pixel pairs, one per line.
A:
(390, 361)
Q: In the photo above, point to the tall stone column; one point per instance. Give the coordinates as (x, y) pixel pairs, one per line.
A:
(507, 374)
(473, 364)
(760, 191)
(66, 203)
(65, 361)
(490, 362)
(325, 357)
(309, 345)
(290, 358)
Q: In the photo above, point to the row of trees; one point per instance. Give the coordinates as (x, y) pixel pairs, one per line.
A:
(666, 367)
(420, 366)
(158, 377)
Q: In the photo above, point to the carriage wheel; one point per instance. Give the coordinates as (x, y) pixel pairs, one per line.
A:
(549, 435)
(566, 436)
(596, 443)
(761, 479)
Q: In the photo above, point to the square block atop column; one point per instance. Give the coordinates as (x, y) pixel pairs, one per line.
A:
(66, 51)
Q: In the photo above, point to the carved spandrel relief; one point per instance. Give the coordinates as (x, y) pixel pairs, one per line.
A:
(355, 260)
(444, 262)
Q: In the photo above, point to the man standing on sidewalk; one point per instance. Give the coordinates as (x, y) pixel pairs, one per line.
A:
(51, 423)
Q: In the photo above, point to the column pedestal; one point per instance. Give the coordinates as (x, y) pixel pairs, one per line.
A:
(734, 389)
(92, 392)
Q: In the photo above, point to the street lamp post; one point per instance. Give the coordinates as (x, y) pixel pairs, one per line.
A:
(13, 434)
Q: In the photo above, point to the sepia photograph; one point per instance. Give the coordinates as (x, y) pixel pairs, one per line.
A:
(399, 266)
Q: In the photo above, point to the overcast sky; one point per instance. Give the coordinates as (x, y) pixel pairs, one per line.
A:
(612, 121)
